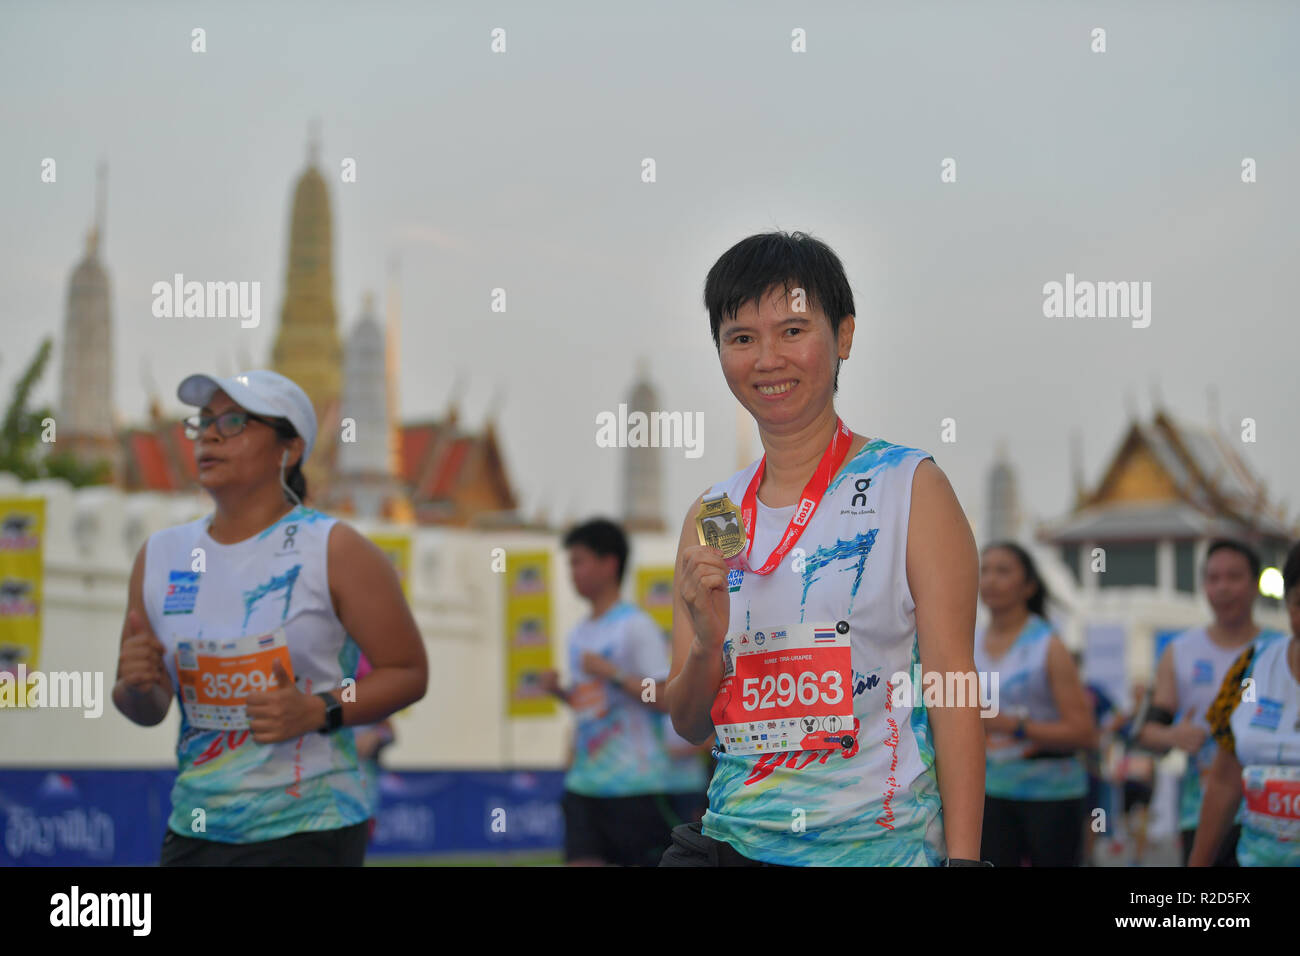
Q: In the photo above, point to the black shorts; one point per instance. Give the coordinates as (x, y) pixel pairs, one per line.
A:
(688, 807)
(1096, 796)
(1037, 832)
(342, 847)
(625, 831)
(692, 848)
(1136, 794)
(1227, 849)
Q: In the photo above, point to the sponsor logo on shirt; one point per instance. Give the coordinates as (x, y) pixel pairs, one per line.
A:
(1202, 672)
(289, 545)
(863, 682)
(734, 578)
(861, 485)
(1268, 714)
(182, 592)
(858, 504)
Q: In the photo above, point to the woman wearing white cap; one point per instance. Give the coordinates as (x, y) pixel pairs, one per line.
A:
(255, 617)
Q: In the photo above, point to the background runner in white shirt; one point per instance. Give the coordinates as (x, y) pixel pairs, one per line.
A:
(1190, 674)
(616, 807)
(1258, 754)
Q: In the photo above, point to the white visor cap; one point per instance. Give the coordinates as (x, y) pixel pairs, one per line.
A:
(261, 392)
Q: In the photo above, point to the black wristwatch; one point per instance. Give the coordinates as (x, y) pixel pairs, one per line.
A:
(954, 861)
(333, 712)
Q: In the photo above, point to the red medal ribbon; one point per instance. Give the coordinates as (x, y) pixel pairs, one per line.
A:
(832, 458)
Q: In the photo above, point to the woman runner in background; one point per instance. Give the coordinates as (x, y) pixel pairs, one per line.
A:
(1035, 781)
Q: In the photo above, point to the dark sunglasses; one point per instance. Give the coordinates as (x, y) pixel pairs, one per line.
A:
(229, 424)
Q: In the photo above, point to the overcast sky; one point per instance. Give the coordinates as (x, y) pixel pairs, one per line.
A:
(522, 170)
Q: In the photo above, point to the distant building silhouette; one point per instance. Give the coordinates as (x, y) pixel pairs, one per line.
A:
(643, 495)
(86, 426)
(1004, 517)
(365, 482)
(307, 346)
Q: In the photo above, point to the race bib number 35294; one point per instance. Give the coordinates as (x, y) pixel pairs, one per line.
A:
(216, 677)
(786, 688)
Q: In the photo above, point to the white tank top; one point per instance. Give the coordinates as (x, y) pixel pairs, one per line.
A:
(1024, 683)
(1022, 670)
(880, 804)
(278, 578)
(1266, 738)
(1199, 668)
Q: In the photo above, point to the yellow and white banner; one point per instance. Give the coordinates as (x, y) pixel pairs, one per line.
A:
(527, 632)
(654, 592)
(22, 549)
(398, 549)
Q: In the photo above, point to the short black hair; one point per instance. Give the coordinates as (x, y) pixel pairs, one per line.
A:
(1037, 602)
(1232, 544)
(603, 537)
(795, 260)
(1291, 569)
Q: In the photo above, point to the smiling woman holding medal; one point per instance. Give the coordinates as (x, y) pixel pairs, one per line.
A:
(805, 585)
(255, 618)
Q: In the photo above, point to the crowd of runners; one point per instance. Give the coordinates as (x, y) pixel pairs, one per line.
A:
(771, 727)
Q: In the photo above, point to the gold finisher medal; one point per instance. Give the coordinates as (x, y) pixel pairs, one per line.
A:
(720, 525)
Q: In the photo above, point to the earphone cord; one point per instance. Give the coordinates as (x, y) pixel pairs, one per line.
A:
(287, 490)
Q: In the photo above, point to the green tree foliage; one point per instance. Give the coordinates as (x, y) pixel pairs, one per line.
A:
(20, 436)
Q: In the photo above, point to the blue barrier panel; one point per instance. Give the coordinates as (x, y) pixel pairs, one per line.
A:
(118, 817)
(469, 811)
(82, 817)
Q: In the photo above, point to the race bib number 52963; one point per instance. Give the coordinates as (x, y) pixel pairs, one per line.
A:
(786, 688)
